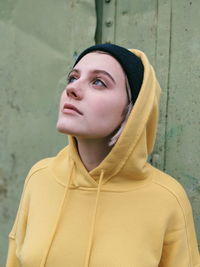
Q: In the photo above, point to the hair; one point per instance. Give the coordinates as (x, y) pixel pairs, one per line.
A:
(115, 137)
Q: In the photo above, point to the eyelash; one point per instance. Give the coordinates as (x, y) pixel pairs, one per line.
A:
(72, 77)
(97, 79)
(69, 79)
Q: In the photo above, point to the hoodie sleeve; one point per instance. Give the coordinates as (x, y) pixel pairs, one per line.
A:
(12, 260)
(18, 231)
(180, 245)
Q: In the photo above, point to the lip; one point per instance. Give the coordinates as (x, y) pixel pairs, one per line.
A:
(67, 108)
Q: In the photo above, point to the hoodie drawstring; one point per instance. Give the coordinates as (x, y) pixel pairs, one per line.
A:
(45, 255)
(91, 235)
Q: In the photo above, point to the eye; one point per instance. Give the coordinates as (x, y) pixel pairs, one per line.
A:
(71, 79)
(99, 82)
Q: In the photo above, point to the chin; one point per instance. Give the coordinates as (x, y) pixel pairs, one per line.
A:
(62, 128)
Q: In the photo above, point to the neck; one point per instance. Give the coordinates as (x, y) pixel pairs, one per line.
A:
(92, 152)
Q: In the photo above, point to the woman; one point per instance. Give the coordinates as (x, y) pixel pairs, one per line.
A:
(98, 202)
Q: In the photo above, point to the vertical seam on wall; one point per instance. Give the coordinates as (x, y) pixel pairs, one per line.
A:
(99, 21)
(96, 11)
(156, 44)
(115, 21)
(168, 85)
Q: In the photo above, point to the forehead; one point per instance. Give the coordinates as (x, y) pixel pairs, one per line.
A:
(101, 60)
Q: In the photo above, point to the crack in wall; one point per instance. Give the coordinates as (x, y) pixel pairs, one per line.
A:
(168, 89)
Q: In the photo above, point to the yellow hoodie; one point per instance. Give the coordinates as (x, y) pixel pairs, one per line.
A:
(123, 213)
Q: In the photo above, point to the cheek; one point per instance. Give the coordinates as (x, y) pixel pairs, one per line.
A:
(114, 108)
(106, 116)
(62, 96)
(62, 99)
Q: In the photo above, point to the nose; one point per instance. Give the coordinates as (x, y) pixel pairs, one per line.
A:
(73, 91)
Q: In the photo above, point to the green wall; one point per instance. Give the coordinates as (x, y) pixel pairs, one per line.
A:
(169, 33)
(182, 158)
(40, 39)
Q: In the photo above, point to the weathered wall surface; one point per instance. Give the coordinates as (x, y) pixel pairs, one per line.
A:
(38, 42)
(168, 31)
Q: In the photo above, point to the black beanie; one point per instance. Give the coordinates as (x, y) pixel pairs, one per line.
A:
(131, 64)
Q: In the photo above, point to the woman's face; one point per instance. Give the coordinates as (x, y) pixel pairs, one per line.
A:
(94, 101)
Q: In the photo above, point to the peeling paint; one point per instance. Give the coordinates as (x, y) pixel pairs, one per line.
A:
(174, 132)
(11, 98)
(191, 182)
(3, 185)
(13, 163)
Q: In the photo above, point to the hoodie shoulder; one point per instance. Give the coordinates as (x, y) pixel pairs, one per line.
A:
(173, 188)
(180, 237)
(45, 168)
(41, 164)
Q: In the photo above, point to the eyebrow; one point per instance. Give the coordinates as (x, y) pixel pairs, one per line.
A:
(96, 72)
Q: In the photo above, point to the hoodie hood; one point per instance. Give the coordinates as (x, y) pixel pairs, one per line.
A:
(127, 161)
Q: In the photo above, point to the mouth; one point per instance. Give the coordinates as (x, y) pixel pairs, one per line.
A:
(69, 107)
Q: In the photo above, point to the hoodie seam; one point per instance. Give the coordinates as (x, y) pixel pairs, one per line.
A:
(32, 173)
(112, 190)
(183, 213)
